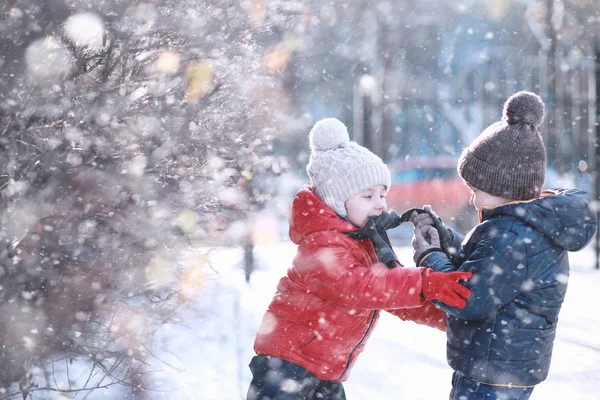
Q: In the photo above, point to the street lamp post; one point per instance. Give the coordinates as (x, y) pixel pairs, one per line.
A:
(597, 161)
(366, 114)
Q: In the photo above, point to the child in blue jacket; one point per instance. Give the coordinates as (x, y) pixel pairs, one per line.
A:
(500, 344)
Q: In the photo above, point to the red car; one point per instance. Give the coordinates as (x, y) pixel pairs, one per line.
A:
(433, 181)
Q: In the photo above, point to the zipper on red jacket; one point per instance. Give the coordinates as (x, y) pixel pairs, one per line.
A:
(358, 344)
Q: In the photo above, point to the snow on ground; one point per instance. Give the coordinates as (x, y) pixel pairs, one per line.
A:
(206, 357)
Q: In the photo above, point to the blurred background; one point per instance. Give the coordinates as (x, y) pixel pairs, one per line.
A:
(134, 133)
(417, 81)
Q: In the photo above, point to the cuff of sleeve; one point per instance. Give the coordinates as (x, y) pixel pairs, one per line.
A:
(426, 254)
(457, 238)
(434, 260)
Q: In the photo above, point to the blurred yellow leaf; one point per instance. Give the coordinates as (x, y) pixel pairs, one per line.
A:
(291, 42)
(187, 220)
(199, 77)
(257, 12)
(247, 175)
(159, 273)
(168, 62)
(277, 60)
(191, 280)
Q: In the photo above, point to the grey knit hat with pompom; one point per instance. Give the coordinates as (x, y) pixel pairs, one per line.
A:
(338, 168)
(508, 159)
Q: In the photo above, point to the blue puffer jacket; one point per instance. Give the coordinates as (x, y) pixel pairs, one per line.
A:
(518, 256)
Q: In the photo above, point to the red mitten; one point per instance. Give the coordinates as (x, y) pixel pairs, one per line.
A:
(443, 286)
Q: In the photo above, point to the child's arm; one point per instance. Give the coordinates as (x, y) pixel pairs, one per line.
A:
(498, 275)
(428, 314)
(335, 274)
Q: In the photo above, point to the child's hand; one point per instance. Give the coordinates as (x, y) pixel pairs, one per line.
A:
(443, 286)
(424, 243)
(429, 218)
(421, 220)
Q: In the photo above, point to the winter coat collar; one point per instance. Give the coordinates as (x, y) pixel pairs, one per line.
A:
(544, 193)
(566, 216)
(310, 214)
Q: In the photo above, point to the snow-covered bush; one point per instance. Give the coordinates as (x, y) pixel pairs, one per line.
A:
(127, 128)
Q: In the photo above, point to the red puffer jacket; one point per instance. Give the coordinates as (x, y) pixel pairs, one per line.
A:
(328, 304)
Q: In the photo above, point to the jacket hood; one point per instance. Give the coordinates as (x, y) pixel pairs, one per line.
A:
(310, 214)
(566, 216)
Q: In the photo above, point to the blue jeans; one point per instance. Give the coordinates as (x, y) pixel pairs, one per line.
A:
(467, 389)
(274, 378)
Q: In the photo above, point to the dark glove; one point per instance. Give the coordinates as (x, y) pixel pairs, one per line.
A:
(426, 216)
(388, 220)
(425, 241)
(375, 230)
(443, 286)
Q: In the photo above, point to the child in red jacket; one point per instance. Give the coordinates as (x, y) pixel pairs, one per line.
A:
(327, 305)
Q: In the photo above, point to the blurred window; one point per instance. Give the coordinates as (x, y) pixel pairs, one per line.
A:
(423, 174)
(441, 173)
(409, 176)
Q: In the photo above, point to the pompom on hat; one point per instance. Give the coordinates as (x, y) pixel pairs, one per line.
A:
(338, 168)
(508, 159)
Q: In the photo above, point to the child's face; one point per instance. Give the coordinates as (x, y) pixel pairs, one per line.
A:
(480, 199)
(362, 205)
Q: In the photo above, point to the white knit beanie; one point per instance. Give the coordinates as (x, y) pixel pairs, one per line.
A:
(338, 168)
